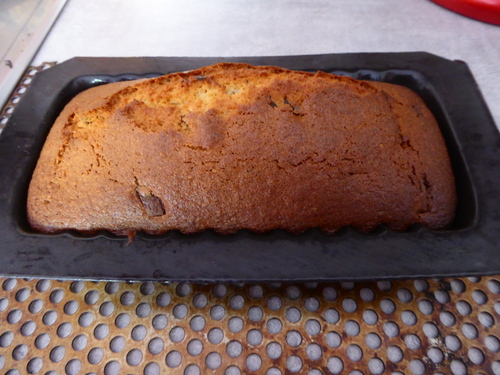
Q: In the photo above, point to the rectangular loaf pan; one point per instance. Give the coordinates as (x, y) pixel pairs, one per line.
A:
(469, 247)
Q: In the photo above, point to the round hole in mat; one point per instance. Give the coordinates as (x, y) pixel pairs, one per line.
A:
(117, 344)
(200, 301)
(492, 343)
(34, 365)
(311, 304)
(219, 290)
(370, 317)
(112, 368)
(56, 296)
(314, 371)
(425, 307)
(9, 284)
(384, 285)
(387, 306)
(237, 302)
(173, 359)
(255, 313)
(486, 319)
(127, 298)
(34, 307)
(274, 326)
(469, 331)
(101, 331)
(64, 330)
(79, 342)
(156, 346)
(213, 360)
(107, 308)
(71, 307)
(22, 294)
(376, 366)
(111, 287)
(333, 339)
(183, 289)
(43, 285)
(73, 367)
(395, 354)
(232, 370)
(367, 294)
(495, 366)
(180, 311)
(254, 362)
(14, 316)
(441, 296)
(28, 328)
(143, 310)
(331, 316)
(176, 334)
(335, 365)
(160, 321)
(457, 286)
(313, 327)
(404, 295)
(412, 342)
(409, 318)
(293, 315)
(256, 292)
(458, 367)
(217, 312)
(293, 338)
(134, 357)
(91, 297)
(293, 292)
(274, 303)
(197, 323)
(235, 324)
(494, 286)
(4, 303)
(463, 308)
(122, 320)
(391, 329)
(254, 337)
(20, 352)
(435, 355)
(6, 339)
(294, 363)
(192, 369)
(314, 352)
(77, 286)
(479, 297)
(194, 347)
(476, 356)
(452, 342)
(215, 336)
(163, 299)
(354, 353)
(373, 340)
(352, 328)
(42, 341)
(430, 330)
(95, 356)
(417, 367)
(147, 288)
(234, 348)
(152, 368)
(349, 305)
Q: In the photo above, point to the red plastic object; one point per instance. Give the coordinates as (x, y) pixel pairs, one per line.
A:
(482, 10)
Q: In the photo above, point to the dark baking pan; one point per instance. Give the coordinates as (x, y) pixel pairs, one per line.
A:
(469, 247)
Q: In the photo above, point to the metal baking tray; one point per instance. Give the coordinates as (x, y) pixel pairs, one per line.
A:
(469, 247)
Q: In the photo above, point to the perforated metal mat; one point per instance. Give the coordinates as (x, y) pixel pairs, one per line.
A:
(401, 327)
(409, 327)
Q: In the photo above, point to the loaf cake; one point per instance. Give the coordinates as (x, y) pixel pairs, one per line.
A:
(234, 146)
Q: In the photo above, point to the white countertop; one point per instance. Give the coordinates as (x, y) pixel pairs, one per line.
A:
(282, 27)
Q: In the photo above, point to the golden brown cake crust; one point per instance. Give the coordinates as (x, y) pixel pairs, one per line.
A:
(233, 146)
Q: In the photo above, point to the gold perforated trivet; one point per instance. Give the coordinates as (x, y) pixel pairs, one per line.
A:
(409, 327)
